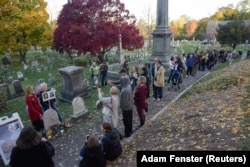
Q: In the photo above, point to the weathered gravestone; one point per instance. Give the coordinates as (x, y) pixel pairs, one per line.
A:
(25, 67)
(34, 63)
(38, 69)
(50, 118)
(78, 108)
(4, 96)
(18, 88)
(5, 61)
(72, 83)
(20, 76)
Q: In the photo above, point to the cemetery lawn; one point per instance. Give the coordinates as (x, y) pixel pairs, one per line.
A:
(32, 77)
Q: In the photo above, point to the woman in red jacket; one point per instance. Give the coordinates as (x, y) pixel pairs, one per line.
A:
(34, 109)
(140, 98)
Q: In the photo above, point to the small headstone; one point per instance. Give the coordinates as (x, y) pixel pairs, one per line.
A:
(10, 79)
(45, 68)
(52, 81)
(18, 88)
(34, 63)
(25, 66)
(50, 118)
(38, 69)
(78, 108)
(6, 88)
(5, 61)
(20, 76)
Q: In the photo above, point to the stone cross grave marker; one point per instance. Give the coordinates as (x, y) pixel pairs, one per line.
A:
(50, 118)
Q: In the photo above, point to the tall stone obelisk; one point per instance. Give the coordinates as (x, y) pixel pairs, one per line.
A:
(162, 33)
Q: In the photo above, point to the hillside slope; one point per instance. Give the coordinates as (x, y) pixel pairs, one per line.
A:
(213, 115)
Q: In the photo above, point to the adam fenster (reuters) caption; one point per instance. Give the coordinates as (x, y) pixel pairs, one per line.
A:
(193, 158)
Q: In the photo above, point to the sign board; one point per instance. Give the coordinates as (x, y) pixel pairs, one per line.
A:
(49, 95)
(10, 129)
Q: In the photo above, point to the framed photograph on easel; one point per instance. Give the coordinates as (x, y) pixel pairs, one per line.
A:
(10, 129)
(49, 95)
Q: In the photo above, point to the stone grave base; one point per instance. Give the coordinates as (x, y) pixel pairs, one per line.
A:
(79, 115)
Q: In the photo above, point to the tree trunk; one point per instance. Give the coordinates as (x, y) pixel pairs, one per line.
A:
(100, 59)
(22, 55)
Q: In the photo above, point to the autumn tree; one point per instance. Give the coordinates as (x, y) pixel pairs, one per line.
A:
(94, 26)
(177, 26)
(233, 33)
(23, 24)
(190, 27)
(200, 32)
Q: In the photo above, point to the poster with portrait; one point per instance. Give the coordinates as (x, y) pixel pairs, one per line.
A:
(49, 95)
(10, 129)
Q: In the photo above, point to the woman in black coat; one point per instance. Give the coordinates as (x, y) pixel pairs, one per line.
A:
(111, 145)
(31, 150)
(91, 154)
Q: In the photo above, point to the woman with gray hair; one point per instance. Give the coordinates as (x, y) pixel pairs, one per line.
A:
(111, 106)
(48, 104)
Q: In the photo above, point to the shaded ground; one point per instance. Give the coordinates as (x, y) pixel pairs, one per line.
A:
(209, 120)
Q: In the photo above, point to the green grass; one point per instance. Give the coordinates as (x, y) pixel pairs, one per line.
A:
(58, 61)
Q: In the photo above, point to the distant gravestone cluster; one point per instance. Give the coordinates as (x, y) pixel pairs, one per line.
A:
(135, 56)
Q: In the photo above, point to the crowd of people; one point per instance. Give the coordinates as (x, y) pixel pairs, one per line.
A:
(133, 89)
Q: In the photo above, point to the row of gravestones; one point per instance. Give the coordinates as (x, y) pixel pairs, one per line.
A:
(18, 90)
(135, 57)
(50, 117)
(35, 67)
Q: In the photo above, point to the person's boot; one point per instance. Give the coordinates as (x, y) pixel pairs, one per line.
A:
(142, 121)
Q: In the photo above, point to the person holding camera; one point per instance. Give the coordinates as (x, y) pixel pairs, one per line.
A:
(111, 144)
(91, 153)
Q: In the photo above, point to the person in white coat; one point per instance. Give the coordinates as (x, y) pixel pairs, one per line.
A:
(110, 106)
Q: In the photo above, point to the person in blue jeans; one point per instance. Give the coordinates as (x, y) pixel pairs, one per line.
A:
(103, 73)
(171, 64)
